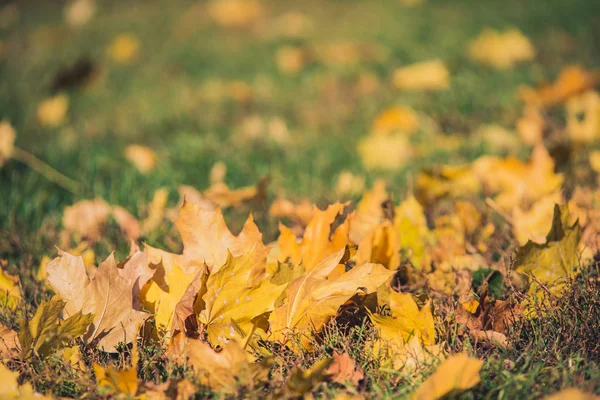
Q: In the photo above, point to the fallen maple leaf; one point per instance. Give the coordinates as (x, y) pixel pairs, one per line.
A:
(87, 218)
(457, 373)
(583, 117)
(107, 295)
(52, 112)
(406, 319)
(554, 261)
(571, 81)
(312, 299)
(501, 50)
(349, 184)
(46, 333)
(11, 390)
(319, 241)
(10, 291)
(425, 76)
(143, 158)
(343, 368)
(302, 211)
(302, 381)
(388, 153)
(225, 370)
(124, 48)
(9, 343)
(231, 297)
(572, 394)
(235, 13)
(7, 142)
(79, 12)
(396, 119)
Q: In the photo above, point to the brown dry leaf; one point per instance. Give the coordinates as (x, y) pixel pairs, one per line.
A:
(87, 218)
(7, 142)
(583, 117)
(571, 81)
(52, 111)
(385, 152)
(312, 299)
(107, 295)
(221, 195)
(319, 241)
(124, 48)
(343, 368)
(425, 76)
(79, 12)
(127, 222)
(396, 119)
(143, 158)
(302, 211)
(9, 343)
(458, 373)
(225, 370)
(136, 269)
(235, 13)
(501, 50)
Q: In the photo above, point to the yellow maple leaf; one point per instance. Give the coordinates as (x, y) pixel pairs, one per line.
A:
(406, 319)
(312, 299)
(206, 239)
(235, 13)
(369, 212)
(583, 117)
(517, 183)
(501, 50)
(119, 383)
(572, 394)
(394, 119)
(225, 370)
(318, 241)
(457, 373)
(385, 152)
(554, 261)
(425, 76)
(10, 291)
(232, 298)
(7, 142)
(161, 295)
(124, 48)
(52, 112)
(411, 230)
(446, 180)
(571, 81)
(11, 390)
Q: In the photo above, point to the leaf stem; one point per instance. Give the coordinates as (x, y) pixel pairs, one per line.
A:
(47, 171)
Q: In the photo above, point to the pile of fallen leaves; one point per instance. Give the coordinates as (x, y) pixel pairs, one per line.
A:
(472, 248)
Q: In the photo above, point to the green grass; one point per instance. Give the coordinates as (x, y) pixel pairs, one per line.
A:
(160, 101)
